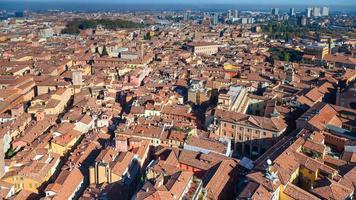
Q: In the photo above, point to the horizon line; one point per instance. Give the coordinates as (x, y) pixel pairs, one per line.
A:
(185, 3)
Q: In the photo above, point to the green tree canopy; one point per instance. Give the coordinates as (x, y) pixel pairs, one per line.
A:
(105, 51)
(286, 56)
(74, 26)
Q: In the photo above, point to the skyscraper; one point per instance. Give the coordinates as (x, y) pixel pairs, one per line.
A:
(251, 20)
(316, 12)
(186, 16)
(229, 14)
(275, 11)
(215, 18)
(303, 21)
(325, 11)
(244, 20)
(291, 12)
(285, 17)
(236, 14)
(309, 12)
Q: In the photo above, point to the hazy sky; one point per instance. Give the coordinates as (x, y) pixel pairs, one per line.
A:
(282, 2)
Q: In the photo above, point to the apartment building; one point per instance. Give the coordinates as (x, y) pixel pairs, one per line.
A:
(205, 48)
(252, 135)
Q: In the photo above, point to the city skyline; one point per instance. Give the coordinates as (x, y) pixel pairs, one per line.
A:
(162, 5)
(257, 2)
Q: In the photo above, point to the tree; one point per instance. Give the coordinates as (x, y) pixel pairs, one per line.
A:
(286, 56)
(74, 27)
(104, 52)
(177, 43)
(147, 36)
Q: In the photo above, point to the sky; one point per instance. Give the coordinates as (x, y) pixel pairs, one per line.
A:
(275, 2)
(206, 5)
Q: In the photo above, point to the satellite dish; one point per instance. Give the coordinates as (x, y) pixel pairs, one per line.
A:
(269, 162)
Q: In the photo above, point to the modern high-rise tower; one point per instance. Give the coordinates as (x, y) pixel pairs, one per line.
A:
(229, 14)
(186, 16)
(325, 11)
(316, 12)
(309, 12)
(303, 21)
(275, 11)
(215, 18)
(236, 14)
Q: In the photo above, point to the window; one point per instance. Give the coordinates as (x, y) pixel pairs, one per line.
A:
(224, 124)
(241, 129)
(248, 130)
(224, 132)
(233, 126)
(257, 132)
(264, 133)
(240, 137)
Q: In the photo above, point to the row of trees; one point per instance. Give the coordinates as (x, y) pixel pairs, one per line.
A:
(290, 29)
(74, 26)
(288, 55)
(286, 30)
